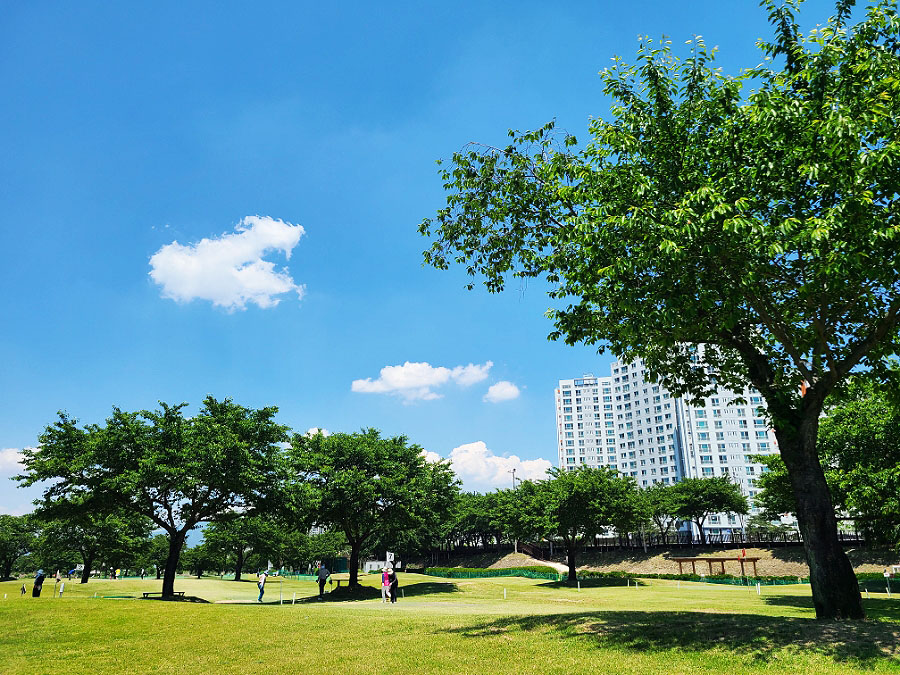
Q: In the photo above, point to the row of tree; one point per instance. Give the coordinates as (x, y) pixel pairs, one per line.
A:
(236, 467)
(261, 489)
(572, 507)
(123, 541)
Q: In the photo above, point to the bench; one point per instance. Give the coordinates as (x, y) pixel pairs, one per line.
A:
(180, 594)
(709, 560)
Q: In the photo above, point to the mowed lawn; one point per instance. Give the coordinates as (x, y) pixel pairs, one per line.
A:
(440, 626)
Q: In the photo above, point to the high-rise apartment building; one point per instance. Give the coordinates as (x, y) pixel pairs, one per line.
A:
(632, 423)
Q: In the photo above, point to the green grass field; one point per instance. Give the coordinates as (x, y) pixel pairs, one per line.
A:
(441, 626)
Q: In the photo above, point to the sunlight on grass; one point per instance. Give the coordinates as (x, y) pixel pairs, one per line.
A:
(439, 626)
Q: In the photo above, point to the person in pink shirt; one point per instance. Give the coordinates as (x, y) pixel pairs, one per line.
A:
(385, 585)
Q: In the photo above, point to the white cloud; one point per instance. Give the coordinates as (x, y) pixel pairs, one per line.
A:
(480, 469)
(10, 461)
(414, 381)
(229, 270)
(501, 391)
(430, 456)
(312, 431)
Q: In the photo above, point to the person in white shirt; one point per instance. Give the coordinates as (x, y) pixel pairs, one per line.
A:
(262, 584)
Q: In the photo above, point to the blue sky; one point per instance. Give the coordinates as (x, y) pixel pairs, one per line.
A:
(130, 126)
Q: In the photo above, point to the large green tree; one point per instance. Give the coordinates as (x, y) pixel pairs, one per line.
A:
(176, 471)
(697, 498)
(17, 537)
(662, 507)
(370, 487)
(576, 505)
(728, 238)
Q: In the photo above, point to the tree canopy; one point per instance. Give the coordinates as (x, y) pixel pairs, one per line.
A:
(174, 470)
(661, 506)
(17, 534)
(727, 238)
(576, 505)
(696, 498)
(112, 536)
(370, 487)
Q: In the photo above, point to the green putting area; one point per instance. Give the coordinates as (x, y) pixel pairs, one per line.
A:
(500, 625)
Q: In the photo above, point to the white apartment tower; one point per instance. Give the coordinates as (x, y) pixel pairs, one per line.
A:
(631, 423)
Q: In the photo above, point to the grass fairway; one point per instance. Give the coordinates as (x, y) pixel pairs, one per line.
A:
(441, 626)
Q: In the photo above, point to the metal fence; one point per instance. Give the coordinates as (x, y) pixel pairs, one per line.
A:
(678, 540)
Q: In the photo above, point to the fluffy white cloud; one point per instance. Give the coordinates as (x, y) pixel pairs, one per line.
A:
(501, 391)
(480, 469)
(312, 431)
(429, 456)
(229, 270)
(10, 460)
(414, 381)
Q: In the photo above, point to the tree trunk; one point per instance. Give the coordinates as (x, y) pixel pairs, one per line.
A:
(86, 572)
(354, 565)
(570, 560)
(699, 524)
(239, 564)
(176, 542)
(7, 569)
(835, 589)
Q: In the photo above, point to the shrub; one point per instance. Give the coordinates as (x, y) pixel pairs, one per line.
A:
(531, 572)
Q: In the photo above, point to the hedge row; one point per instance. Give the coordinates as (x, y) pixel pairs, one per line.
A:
(531, 572)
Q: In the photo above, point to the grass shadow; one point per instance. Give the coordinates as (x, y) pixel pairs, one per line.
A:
(345, 594)
(862, 643)
(429, 588)
(880, 609)
(592, 583)
(177, 598)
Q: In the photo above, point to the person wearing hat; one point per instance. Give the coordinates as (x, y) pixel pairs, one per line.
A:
(262, 584)
(38, 584)
(395, 583)
(385, 584)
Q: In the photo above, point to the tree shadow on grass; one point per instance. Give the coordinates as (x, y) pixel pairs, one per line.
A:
(592, 583)
(345, 594)
(177, 598)
(862, 643)
(429, 588)
(880, 609)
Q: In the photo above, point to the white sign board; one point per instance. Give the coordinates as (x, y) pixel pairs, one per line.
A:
(389, 556)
